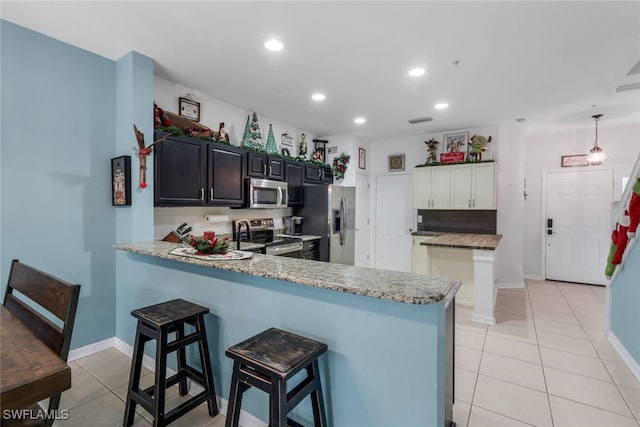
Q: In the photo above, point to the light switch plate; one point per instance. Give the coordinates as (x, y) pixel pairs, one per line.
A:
(419, 218)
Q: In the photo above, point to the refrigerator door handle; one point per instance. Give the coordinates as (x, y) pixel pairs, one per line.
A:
(343, 218)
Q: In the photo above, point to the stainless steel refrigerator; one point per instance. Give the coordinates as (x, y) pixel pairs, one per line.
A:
(329, 211)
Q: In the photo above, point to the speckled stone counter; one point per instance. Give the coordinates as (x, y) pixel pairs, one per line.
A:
(461, 240)
(390, 285)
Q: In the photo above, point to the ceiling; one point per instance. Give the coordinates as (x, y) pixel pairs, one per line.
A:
(554, 64)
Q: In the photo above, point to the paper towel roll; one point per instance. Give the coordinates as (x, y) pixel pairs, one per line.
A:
(216, 219)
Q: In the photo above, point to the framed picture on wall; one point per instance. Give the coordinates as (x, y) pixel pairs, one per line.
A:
(189, 109)
(121, 181)
(396, 162)
(362, 158)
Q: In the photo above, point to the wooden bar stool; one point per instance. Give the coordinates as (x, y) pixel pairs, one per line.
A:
(156, 322)
(267, 361)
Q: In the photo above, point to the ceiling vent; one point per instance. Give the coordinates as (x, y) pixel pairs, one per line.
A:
(635, 69)
(631, 86)
(420, 120)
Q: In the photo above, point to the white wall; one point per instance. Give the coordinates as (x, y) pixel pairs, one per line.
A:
(347, 144)
(543, 153)
(510, 215)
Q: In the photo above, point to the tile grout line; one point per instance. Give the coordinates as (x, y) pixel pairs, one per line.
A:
(475, 386)
(544, 376)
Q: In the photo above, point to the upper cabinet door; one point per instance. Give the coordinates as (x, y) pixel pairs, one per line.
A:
(295, 176)
(441, 188)
(179, 178)
(461, 176)
(422, 188)
(276, 168)
(225, 175)
(484, 186)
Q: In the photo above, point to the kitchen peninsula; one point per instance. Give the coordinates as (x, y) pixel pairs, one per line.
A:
(470, 257)
(389, 334)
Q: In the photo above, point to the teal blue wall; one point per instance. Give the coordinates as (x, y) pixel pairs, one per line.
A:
(57, 136)
(383, 363)
(624, 307)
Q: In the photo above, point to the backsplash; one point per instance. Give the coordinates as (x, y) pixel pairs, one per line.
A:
(167, 219)
(458, 221)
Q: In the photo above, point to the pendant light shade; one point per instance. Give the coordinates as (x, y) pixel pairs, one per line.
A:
(596, 155)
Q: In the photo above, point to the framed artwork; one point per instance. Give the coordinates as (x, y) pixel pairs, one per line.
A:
(456, 142)
(574, 160)
(396, 162)
(362, 158)
(121, 181)
(189, 109)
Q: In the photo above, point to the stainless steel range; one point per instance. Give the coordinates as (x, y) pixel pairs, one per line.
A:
(261, 230)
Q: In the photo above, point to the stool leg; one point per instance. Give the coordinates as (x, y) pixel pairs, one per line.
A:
(235, 397)
(134, 377)
(317, 402)
(278, 403)
(205, 360)
(182, 361)
(161, 379)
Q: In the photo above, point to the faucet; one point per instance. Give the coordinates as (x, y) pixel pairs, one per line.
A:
(238, 228)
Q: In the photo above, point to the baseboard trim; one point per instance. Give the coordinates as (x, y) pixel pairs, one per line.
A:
(532, 277)
(633, 366)
(90, 349)
(246, 419)
(511, 285)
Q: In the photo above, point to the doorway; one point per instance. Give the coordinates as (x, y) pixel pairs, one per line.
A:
(394, 218)
(577, 225)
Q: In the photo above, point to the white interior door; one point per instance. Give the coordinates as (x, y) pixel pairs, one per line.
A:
(362, 220)
(394, 218)
(578, 204)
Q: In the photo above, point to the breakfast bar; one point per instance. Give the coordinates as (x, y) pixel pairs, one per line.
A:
(389, 334)
(472, 258)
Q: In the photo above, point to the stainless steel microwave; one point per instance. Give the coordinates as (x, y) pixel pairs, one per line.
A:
(267, 194)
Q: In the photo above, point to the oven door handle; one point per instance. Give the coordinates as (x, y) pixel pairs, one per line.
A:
(284, 249)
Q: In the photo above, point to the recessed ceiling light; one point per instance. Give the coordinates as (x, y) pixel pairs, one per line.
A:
(318, 97)
(416, 72)
(359, 120)
(273, 45)
(441, 106)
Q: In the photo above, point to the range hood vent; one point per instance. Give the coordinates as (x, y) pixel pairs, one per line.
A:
(420, 120)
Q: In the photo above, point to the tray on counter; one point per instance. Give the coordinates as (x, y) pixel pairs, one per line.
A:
(229, 256)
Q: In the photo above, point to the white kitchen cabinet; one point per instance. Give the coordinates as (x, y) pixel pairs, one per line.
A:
(473, 186)
(419, 262)
(431, 188)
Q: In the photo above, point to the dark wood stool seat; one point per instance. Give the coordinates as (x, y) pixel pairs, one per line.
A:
(156, 322)
(266, 361)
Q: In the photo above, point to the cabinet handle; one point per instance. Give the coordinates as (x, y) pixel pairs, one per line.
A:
(473, 204)
(264, 170)
(320, 173)
(269, 170)
(202, 194)
(211, 194)
(469, 202)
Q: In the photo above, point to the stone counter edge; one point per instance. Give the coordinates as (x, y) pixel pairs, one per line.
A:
(408, 288)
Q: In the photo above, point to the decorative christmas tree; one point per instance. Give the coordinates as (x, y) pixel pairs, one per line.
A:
(252, 138)
(271, 147)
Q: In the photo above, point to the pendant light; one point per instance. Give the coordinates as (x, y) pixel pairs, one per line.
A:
(596, 155)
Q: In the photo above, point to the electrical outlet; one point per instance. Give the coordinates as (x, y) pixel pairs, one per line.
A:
(419, 218)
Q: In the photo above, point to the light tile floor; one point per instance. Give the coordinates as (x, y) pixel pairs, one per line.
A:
(547, 362)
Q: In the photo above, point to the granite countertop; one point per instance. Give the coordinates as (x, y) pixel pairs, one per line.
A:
(460, 240)
(401, 287)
